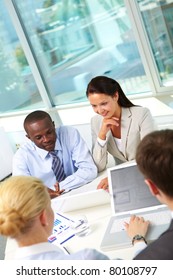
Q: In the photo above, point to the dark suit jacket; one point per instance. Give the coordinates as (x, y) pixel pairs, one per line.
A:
(160, 249)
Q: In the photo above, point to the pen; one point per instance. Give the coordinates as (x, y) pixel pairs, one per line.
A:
(66, 251)
(67, 238)
(64, 217)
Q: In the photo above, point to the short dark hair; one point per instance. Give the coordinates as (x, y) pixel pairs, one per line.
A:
(35, 116)
(154, 157)
(108, 86)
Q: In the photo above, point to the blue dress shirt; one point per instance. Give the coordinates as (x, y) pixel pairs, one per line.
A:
(73, 152)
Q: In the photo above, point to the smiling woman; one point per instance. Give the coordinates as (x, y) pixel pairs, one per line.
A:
(118, 126)
(107, 98)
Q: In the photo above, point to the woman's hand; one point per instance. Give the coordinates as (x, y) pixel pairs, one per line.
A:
(106, 126)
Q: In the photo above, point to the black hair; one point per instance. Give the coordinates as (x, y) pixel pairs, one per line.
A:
(35, 116)
(108, 86)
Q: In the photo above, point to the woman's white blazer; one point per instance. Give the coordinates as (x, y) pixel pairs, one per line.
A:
(136, 122)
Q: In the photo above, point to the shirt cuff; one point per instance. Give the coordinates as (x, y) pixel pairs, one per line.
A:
(61, 187)
(101, 142)
(138, 247)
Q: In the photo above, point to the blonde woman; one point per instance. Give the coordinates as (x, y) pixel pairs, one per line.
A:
(26, 215)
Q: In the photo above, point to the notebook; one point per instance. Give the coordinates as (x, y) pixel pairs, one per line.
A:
(68, 203)
(130, 195)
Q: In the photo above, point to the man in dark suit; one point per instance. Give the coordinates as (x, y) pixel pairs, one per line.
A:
(155, 160)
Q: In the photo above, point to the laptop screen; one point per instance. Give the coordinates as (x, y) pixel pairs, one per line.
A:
(129, 191)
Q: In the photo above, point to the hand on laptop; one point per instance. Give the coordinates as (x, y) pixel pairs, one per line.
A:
(103, 184)
(136, 226)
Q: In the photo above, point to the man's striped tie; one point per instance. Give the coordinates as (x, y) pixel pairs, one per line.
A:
(57, 167)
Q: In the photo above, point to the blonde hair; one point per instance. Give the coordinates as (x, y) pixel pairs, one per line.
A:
(22, 198)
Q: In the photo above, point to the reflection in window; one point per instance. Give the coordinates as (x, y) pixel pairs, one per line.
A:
(17, 88)
(62, 31)
(75, 40)
(158, 20)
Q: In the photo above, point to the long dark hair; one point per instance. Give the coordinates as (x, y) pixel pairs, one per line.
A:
(108, 86)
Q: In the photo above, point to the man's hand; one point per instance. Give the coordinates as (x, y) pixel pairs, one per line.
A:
(103, 184)
(136, 225)
(57, 191)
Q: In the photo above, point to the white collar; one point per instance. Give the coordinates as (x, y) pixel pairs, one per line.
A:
(23, 252)
(172, 214)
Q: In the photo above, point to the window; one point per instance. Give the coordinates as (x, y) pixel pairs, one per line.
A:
(73, 41)
(18, 89)
(158, 20)
(69, 42)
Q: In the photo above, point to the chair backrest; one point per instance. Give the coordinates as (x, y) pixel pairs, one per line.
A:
(6, 155)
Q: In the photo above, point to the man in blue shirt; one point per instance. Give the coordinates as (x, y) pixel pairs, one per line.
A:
(33, 158)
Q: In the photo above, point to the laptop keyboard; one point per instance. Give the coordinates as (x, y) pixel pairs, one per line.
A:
(156, 218)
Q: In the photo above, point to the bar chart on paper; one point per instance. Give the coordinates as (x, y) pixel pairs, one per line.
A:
(62, 231)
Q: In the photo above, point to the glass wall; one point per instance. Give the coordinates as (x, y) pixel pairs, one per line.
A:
(71, 41)
(158, 20)
(18, 89)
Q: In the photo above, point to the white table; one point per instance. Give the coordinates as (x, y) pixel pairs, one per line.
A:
(98, 218)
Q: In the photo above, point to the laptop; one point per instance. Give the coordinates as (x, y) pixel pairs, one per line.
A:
(130, 195)
(82, 200)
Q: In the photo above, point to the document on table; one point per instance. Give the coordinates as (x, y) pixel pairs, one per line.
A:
(62, 231)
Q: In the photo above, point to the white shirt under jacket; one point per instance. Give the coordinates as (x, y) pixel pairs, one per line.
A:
(136, 122)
